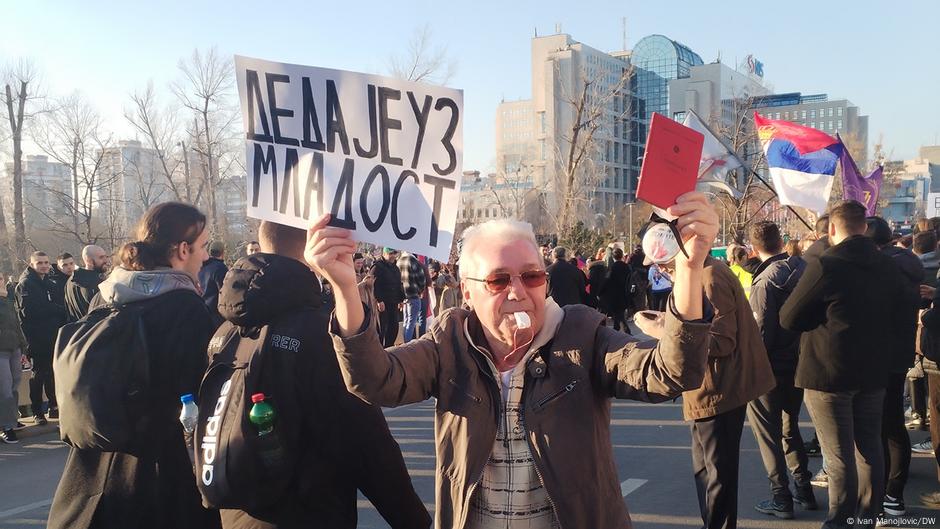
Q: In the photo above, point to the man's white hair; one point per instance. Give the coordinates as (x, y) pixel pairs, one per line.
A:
(490, 232)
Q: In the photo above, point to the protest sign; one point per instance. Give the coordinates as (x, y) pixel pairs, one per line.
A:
(933, 205)
(383, 156)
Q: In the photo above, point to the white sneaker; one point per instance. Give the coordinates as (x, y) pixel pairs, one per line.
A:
(925, 447)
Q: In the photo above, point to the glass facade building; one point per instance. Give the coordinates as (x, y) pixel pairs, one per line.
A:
(657, 60)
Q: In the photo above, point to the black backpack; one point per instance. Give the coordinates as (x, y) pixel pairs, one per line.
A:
(102, 371)
(235, 467)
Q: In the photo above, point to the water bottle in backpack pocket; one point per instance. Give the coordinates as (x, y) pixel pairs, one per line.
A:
(242, 463)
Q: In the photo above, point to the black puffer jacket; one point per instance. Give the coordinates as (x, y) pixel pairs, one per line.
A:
(348, 445)
(774, 281)
(39, 314)
(80, 289)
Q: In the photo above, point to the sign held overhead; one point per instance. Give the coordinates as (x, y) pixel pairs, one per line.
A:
(383, 156)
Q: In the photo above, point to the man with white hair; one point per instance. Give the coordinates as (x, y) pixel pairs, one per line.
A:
(522, 419)
(82, 286)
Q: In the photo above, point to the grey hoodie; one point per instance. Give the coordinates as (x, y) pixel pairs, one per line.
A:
(127, 286)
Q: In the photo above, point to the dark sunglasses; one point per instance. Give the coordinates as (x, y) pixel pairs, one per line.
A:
(499, 281)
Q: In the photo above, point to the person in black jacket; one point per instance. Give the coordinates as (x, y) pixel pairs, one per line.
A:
(40, 317)
(775, 417)
(615, 289)
(82, 286)
(211, 276)
(566, 284)
(846, 304)
(154, 489)
(597, 274)
(894, 436)
(348, 444)
(389, 293)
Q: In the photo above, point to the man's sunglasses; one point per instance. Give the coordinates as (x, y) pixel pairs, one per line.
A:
(499, 281)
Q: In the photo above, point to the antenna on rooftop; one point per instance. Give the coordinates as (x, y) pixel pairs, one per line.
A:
(557, 27)
(624, 23)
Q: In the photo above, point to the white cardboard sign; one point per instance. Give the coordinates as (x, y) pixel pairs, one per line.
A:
(383, 156)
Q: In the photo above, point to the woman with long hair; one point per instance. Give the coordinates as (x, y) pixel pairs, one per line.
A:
(154, 487)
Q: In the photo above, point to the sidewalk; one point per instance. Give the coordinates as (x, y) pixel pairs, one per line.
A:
(32, 430)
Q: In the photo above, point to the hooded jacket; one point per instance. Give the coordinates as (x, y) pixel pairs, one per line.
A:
(39, 314)
(774, 281)
(846, 304)
(112, 489)
(80, 289)
(348, 444)
(211, 277)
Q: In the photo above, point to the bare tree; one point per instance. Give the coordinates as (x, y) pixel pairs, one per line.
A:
(512, 187)
(71, 133)
(20, 96)
(596, 105)
(422, 61)
(161, 133)
(206, 91)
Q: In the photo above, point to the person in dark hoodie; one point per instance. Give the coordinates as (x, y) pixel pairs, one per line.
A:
(349, 445)
(846, 318)
(156, 488)
(40, 317)
(82, 286)
(894, 436)
(775, 416)
(211, 276)
(615, 289)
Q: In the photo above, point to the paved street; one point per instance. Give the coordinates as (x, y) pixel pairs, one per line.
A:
(651, 444)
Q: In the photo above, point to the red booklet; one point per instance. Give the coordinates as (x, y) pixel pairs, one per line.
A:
(670, 162)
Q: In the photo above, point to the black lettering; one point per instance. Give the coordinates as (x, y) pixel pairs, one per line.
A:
(407, 173)
(276, 112)
(449, 134)
(263, 165)
(344, 189)
(386, 123)
(253, 91)
(291, 181)
(421, 116)
(314, 184)
(335, 126)
(439, 185)
(373, 130)
(364, 198)
(310, 119)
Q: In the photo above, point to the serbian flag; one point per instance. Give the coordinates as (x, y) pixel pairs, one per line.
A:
(855, 186)
(802, 162)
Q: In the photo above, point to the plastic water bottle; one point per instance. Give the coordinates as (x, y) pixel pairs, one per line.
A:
(262, 415)
(189, 416)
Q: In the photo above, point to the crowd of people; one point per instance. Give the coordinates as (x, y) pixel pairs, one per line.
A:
(522, 345)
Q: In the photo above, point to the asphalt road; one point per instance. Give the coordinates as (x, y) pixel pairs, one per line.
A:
(651, 445)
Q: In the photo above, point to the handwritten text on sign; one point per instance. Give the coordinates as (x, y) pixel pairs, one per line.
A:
(383, 156)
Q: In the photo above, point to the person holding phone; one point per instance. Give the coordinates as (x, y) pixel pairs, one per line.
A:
(660, 287)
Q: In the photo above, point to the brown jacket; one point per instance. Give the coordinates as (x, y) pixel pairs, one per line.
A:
(738, 368)
(565, 403)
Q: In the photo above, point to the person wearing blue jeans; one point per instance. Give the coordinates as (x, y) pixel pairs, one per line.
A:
(414, 281)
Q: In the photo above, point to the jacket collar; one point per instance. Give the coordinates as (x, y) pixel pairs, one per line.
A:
(763, 266)
(473, 330)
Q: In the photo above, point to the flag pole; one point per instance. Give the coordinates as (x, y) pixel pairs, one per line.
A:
(774, 191)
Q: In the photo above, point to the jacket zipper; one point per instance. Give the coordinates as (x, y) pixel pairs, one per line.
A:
(476, 399)
(535, 464)
(558, 394)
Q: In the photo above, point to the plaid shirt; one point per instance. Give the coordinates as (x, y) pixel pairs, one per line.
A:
(413, 278)
(510, 493)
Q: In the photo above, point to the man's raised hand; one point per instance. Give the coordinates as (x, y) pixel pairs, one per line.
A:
(329, 253)
(698, 225)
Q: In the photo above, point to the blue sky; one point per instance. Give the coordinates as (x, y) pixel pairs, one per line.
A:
(882, 56)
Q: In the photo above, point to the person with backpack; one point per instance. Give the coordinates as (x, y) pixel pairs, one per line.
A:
(139, 475)
(331, 443)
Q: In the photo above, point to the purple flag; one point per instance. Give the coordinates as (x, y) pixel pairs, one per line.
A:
(863, 189)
